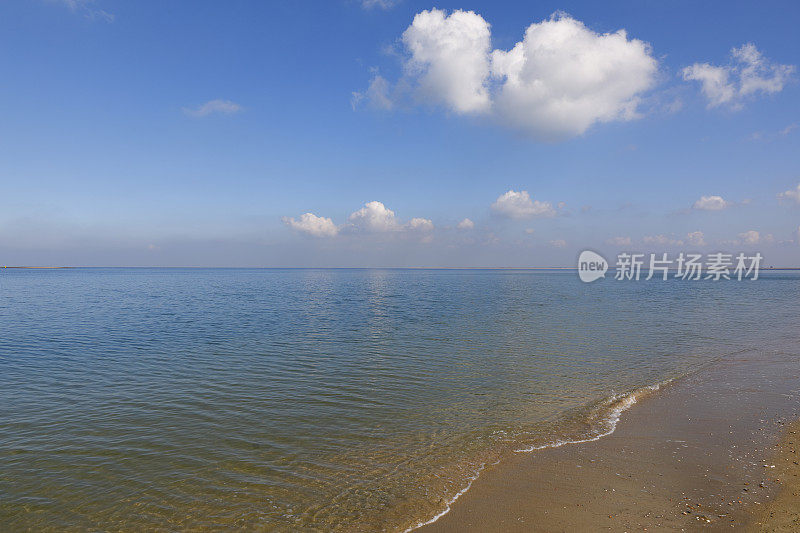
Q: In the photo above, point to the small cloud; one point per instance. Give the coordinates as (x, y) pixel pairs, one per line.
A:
(377, 95)
(223, 107)
(748, 74)
(558, 243)
(380, 4)
(311, 224)
(420, 224)
(792, 195)
(619, 241)
(374, 216)
(696, 238)
(466, 224)
(663, 240)
(530, 231)
(153, 247)
(519, 205)
(750, 237)
(770, 136)
(87, 8)
(711, 203)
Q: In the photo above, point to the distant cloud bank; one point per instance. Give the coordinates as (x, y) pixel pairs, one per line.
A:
(373, 217)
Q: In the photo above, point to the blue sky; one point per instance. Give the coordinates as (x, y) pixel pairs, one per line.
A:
(200, 133)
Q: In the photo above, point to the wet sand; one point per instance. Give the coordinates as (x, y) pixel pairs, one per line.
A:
(700, 452)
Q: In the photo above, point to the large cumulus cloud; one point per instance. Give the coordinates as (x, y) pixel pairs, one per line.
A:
(558, 81)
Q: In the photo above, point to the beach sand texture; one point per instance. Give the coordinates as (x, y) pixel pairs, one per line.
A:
(783, 513)
(698, 454)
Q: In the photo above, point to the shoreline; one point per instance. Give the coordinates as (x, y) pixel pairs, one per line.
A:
(695, 433)
(625, 401)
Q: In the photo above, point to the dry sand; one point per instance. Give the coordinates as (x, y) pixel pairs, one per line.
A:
(783, 513)
(698, 454)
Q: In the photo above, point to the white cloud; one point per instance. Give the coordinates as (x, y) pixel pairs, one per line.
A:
(554, 84)
(711, 203)
(225, 107)
(515, 204)
(530, 231)
(420, 224)
(450, 59)
(748, 74)
(696, 238)
(563, 77)
(662, 240)
(374, 216)
(466, 224)
(558, 243)
(619, 241)
(311, 224)
(750, 237)
(791, 195)
(715, 82)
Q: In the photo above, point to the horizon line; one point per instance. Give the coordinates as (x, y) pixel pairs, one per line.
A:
(20, 267)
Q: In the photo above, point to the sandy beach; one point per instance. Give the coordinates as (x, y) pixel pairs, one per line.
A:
(783, 512)
(713, 450)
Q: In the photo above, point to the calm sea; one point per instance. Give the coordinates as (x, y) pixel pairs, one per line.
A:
(319, 400)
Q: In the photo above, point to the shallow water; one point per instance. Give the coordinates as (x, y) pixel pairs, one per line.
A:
(324, 399)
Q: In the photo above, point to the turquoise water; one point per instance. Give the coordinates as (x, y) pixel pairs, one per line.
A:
(325, 400)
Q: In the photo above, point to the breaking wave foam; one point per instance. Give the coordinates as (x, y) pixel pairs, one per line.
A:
(450, 502)
(613, 407)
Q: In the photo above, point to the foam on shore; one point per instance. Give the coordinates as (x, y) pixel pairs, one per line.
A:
(613, 407)
(617, 404)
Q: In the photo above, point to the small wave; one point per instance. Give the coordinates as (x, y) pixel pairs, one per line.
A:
(451, 501)
(618, 404)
